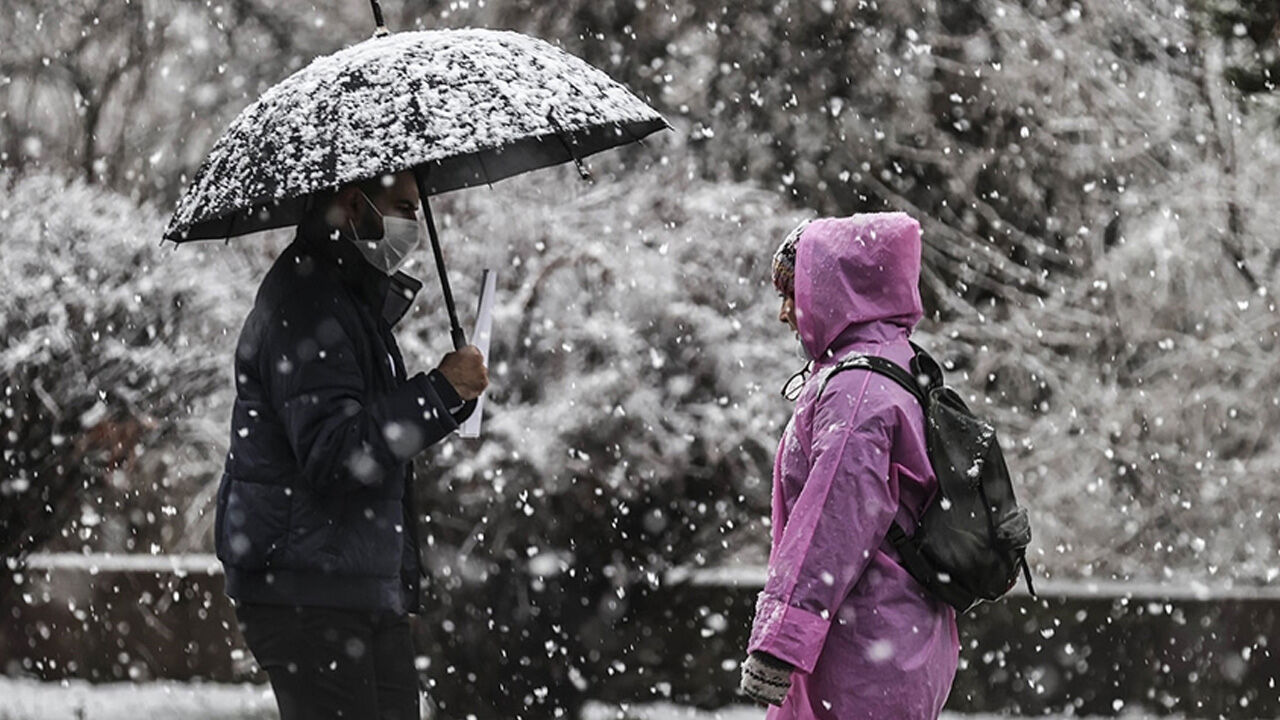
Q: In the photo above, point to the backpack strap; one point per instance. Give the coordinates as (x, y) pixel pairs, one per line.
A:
(909, 555)
(925, 367)
(879, 366)
(912, 560)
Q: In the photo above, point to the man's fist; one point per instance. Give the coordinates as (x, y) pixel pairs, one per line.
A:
(465, 371)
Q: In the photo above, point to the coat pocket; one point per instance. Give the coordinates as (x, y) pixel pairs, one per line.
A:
(371, 538)
(313, 533)
(253, 523)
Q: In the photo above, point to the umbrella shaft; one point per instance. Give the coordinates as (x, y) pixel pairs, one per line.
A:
(455, 328)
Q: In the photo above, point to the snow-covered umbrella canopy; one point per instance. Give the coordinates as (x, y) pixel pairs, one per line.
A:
(467, 106)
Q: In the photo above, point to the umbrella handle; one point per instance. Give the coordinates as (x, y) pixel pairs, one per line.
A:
(455, 328)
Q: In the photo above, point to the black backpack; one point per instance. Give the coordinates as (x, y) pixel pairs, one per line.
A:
(973, 537)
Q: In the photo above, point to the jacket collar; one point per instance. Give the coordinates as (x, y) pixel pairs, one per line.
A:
(388, 296)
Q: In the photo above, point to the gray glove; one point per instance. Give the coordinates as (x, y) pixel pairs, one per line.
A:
(765, 678)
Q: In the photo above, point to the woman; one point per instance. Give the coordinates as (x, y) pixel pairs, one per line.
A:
(841, 630)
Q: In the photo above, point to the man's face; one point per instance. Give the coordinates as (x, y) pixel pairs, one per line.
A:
(395, 196)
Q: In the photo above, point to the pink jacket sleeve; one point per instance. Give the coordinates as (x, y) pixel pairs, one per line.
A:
(837, 523)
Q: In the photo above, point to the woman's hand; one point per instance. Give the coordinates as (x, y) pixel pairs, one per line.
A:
(765, 678)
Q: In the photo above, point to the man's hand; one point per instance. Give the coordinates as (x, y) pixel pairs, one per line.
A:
(766, 679)
(465, 371)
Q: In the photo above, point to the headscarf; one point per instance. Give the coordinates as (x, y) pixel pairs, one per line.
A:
(784, 262)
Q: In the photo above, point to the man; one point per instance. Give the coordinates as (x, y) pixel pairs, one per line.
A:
(315, 525)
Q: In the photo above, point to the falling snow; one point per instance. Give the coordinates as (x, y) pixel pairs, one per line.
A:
(1094, 181)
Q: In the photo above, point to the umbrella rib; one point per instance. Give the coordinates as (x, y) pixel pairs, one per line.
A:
(583, 172)
(231, 223)
(626, 128)
(484, 170)
(515, 110)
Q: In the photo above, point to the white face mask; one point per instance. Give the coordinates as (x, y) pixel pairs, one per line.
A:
(400, 236)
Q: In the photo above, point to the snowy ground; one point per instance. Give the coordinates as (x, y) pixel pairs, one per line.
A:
(77, 700)
(31, 700)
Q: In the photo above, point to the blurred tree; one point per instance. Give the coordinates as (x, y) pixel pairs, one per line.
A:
(1013, 129)
(82, 56)
(1256, 25)
(131, 94)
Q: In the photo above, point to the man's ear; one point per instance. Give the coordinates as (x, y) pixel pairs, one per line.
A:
(344, 208)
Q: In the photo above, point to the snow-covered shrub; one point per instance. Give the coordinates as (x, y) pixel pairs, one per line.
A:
(108, 353)
(1139, 399)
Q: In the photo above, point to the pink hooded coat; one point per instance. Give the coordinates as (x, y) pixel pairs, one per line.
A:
(866, 640)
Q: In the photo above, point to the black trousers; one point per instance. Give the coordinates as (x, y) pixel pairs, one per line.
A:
(331, 663)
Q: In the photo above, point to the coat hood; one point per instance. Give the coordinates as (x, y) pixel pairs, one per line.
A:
(857, 280)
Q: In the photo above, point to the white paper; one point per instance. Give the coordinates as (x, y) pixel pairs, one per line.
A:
(480, 338)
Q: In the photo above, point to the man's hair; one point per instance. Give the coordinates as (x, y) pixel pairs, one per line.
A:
(318, 203)
(375, 185)
(369, 186)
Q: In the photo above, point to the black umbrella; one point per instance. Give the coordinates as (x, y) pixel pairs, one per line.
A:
(457, 107)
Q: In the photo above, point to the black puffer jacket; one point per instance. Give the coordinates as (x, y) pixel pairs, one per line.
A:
(314, 506)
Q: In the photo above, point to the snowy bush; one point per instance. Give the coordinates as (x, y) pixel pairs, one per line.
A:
(1138, 398)
(110, 351)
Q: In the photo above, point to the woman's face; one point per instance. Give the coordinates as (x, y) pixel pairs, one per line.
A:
(787, 313)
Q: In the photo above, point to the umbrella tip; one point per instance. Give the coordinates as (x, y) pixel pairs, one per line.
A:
(381, 30)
